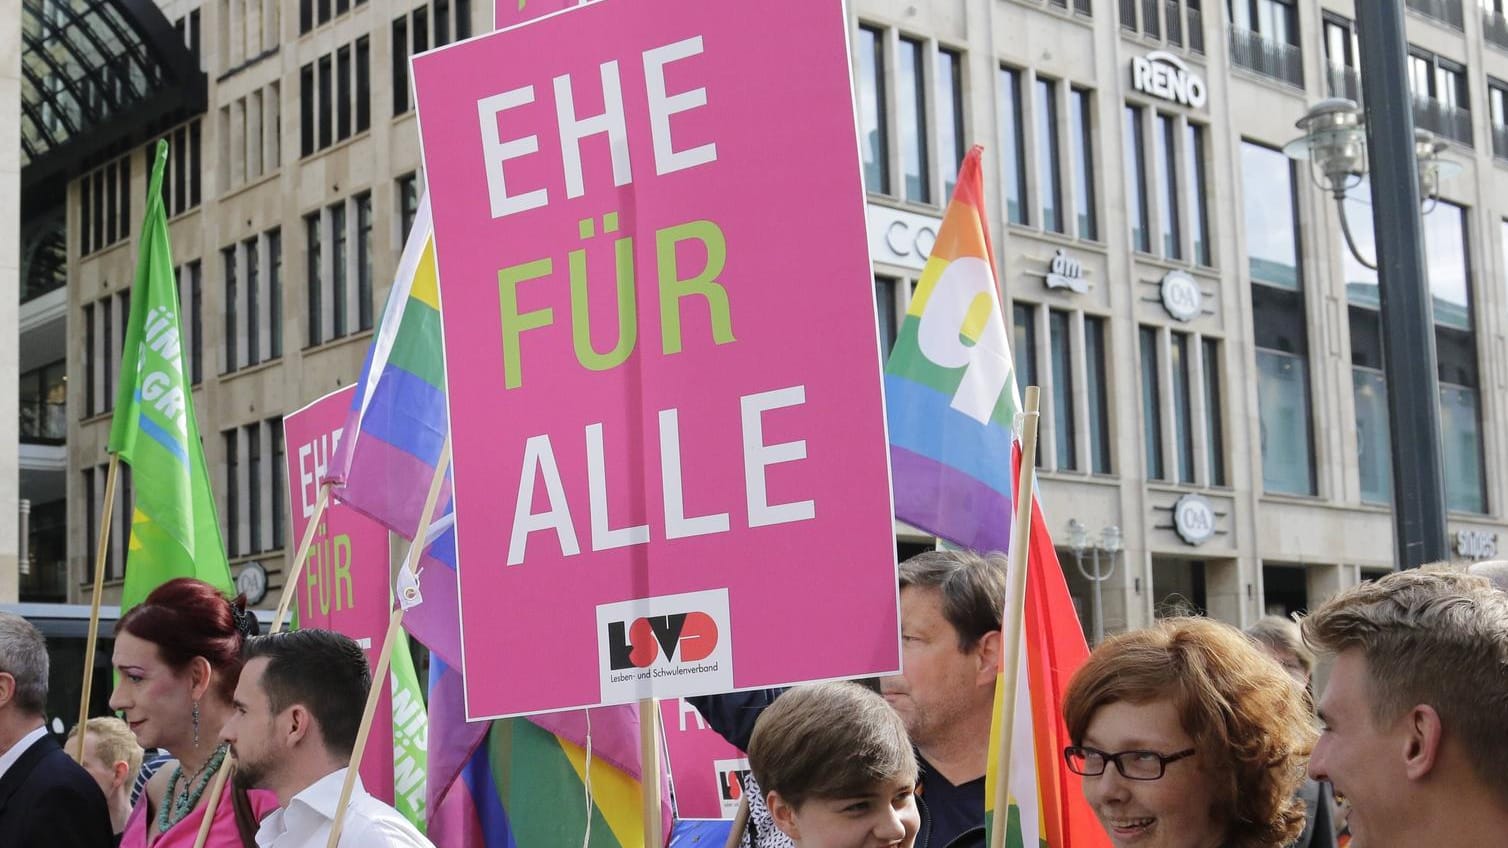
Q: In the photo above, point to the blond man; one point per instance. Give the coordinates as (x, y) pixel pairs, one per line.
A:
(1415, 711)
(112, 757)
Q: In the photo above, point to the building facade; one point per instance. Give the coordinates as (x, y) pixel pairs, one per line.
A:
(1206, 345)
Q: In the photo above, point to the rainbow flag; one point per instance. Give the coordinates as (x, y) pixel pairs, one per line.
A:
(951, 401)
(396, 429)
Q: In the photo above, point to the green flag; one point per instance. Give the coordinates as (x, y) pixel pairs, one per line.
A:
(410, 737)
(174, 532)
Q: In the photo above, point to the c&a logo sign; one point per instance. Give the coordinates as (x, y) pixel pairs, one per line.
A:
(665, 647)
(684, 637)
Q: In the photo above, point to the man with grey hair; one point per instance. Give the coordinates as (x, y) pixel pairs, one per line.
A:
(1415, 711)
(45, 797)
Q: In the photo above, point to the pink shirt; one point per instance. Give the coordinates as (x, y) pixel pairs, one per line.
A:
(222, 831)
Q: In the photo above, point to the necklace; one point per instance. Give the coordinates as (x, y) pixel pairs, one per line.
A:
(175, 806)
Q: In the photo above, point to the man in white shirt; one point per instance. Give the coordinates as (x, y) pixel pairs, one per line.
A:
(45, 797)
(297, 710)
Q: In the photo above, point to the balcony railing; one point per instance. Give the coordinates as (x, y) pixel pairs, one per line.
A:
(1150, 16)
(1128, 15)
(1196, 30)
(1344, 82)
(1495, 28)
(1256, 52)
(1175, 23)
(1447, 12)
(43, 422)
(1443, 119)
(1500, 141)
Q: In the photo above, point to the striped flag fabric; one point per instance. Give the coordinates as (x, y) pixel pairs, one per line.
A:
(951, 400)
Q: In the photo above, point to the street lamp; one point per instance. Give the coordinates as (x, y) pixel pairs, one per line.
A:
(1108, 543)
(1335, 144)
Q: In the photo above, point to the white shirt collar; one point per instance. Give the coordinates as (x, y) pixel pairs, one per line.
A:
(309, 809)
(22, 745)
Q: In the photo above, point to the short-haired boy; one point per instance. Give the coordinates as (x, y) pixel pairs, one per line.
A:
(837, 768)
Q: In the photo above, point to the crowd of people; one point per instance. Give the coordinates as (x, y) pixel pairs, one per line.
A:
(1188, 733)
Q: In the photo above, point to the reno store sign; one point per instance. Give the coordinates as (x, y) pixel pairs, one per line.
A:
(1168, 77)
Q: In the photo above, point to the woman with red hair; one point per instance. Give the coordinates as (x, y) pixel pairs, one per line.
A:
(177, 660)
(1188, 736)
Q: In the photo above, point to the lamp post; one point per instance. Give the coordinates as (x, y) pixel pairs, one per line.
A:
(1339, 143)
(1108, 543)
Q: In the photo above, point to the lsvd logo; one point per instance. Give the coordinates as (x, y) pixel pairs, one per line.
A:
(679, 637)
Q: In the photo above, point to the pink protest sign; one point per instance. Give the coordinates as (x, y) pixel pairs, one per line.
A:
(670, 467)
(705, 769)
(344, 586)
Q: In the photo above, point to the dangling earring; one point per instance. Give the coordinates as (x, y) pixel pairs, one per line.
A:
(196, 724)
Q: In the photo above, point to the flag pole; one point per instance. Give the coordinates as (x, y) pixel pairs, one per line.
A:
(649, 767)
(213, 803)
(394, 630)
(290, 586)
(1015, 612)
(94, 604)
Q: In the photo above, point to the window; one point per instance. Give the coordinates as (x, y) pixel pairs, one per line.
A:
(314, 13)
(253, 300)
(182, 181)
(1264, 38)
(90, 357)
(314, 275)
(1049, 181)
(1342, 58)
(105, 206)
(95, 479)
(928, 142)
(1272, 244)
(1061, 343)
(1180, 20)
(102, 351)
(1198, 193)
(447, 28)
(1026, 344)
(911, 116)
(1497, 105)
(1186, 367)
(330, 112)
(364, 261)
(1165, 147)
(333, 308)
(191, 316)
(1214, 428)
(43, 399)
(1136, 181)
(1081, 138)
(1151, 401)
(950, 130)
(1176, 180)
(1448, 259)
(1013, 145)
(408, 204)
(1096, 379)
(254, 487)
(1183, 405)
(1494, 24)
(1442, 102)
(885, 291)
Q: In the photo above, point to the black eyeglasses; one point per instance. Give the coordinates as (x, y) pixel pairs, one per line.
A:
(1133, 765)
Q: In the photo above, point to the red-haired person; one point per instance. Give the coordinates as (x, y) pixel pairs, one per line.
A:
(177, 660)
(1188, 736)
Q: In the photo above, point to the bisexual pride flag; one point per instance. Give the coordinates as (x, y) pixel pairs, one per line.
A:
(952, 400)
